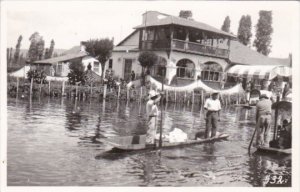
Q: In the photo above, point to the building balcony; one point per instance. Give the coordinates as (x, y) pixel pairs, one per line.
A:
(198, 48)
(184, 46)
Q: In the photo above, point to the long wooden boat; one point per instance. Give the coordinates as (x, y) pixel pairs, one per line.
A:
(138, 142)
(274, 150)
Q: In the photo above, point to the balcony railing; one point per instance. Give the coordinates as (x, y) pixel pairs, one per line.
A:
(181, 45)
(199, 48)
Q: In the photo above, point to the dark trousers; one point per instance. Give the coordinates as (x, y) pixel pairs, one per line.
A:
(211, 124)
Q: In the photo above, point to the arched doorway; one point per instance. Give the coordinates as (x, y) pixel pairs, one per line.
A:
(185, 69)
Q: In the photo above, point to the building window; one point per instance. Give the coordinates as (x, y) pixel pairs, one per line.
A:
(59, 69)
(96, 66)
(110, 63)
(212, 72)
(185, 69)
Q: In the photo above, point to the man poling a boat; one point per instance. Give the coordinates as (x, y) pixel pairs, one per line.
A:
(213, 107)
(152, 112)
(263, 120)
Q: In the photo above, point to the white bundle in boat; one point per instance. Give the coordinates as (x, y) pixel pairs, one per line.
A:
(177, 135)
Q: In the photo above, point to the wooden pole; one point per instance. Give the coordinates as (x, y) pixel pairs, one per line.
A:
(91, 89)
(141, 93)
(167, 96)
(41, 87)
(31, 85)
(193, 97)
(202, 98)
(276, 117)
(63, 88)
(175, 96)
(49, 88)
(119, 91)
(76, 94)
(104, 91)
(17, 86)
(161, 114)
(128, 92)
(184, 100)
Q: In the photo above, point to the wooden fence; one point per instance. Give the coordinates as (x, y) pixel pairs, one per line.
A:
(19, 87)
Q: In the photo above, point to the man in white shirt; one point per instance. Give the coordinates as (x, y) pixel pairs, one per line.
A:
(213, 107)
(152, 112)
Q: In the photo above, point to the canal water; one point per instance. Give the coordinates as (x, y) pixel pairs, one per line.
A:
(54, 142)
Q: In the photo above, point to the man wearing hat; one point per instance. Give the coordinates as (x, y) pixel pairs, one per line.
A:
(213, 107)
(263, 120)
(152, 112)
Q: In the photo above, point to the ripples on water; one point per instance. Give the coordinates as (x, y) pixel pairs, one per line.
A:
(53, 143)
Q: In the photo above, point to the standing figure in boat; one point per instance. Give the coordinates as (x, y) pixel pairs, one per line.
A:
(152, 113)
(213, 107)
(263, 120)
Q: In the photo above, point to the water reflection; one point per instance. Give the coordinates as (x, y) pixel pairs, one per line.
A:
(63, 135)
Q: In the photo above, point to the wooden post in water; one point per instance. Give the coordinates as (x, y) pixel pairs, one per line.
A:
(49, 88)
(276, 118)
(119, 91)
(91, 91)
(128, 92)
(202, 98)
(31, 85)
(76, 94)
(17, 86)
(63, 88)
(104, 91)
(141, 93)
(167, 96)
(41, 87)
(184, 100)
(193, 97)
(175, 95)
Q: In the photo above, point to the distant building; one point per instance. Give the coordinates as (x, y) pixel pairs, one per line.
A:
(188, 50)
(59, 66)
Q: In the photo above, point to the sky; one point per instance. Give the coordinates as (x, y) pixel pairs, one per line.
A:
(69, 22)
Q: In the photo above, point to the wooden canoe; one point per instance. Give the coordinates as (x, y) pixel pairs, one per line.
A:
(274, 150)
(138, 142)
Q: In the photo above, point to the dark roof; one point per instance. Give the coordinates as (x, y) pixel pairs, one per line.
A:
(169, 19)
(91, 76)
(62, 58)
(241, 54)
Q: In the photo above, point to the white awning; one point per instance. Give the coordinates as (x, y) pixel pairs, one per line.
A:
(259, 71)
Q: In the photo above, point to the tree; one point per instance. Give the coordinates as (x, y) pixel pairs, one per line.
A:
(100, 49)
(76, 73)
(147, 59)
(187, 14)
(47, 53)
(226, 25)
(17, 52)
(51, 49)
(244, 31)
(264, 31)
(36, 48)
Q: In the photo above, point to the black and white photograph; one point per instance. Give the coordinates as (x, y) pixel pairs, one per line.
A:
(149, 94)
